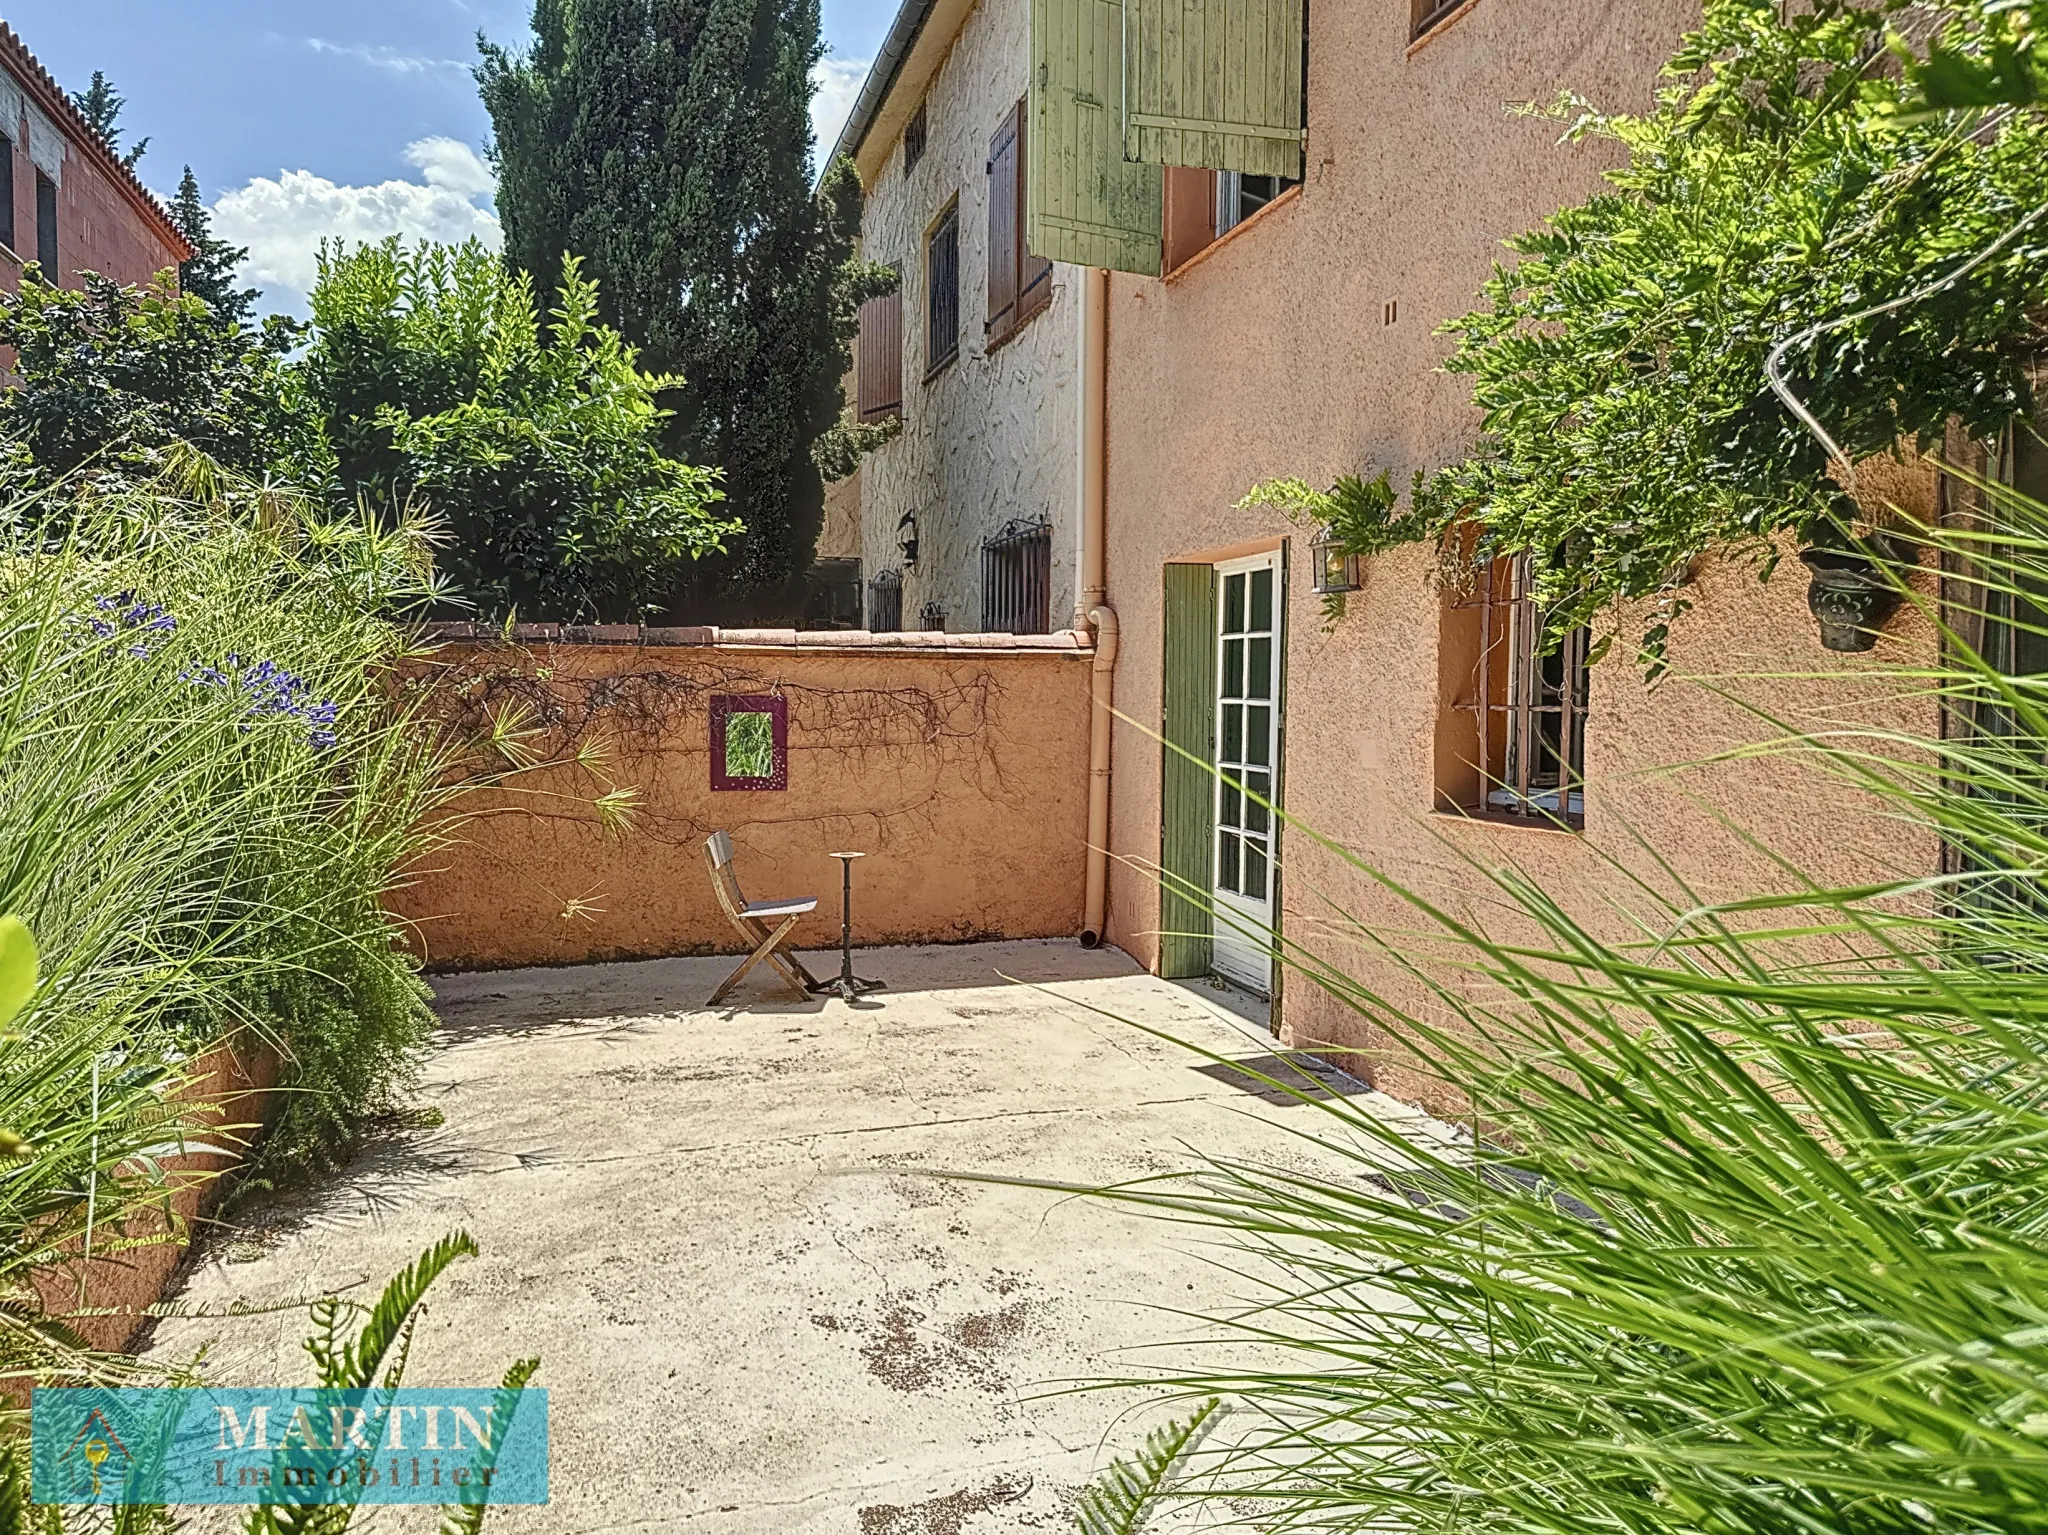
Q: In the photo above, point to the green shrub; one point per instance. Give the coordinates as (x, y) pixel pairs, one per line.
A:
(109, 378)
(534, 438)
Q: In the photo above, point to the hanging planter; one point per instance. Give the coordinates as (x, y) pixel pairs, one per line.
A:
(1850, 595)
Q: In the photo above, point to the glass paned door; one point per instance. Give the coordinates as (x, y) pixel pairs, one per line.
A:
(1247, 742)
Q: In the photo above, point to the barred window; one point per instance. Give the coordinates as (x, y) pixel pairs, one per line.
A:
(915, 135)
(1016, 580)
(931, 617)
(885, 603)
(1528, 705)
(942, 292)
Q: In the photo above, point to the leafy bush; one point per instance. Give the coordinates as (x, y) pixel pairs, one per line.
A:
(439, 386)
(1806, 188)
(1754, 1236)
(1789, 189)
(110, 378)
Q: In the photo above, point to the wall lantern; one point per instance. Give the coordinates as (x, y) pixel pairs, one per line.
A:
(906, 539)
(1336, 571)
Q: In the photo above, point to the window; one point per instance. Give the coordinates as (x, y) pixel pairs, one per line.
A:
(1426, 15)
(1203, 206)
(942, 292)
(932, 618)
(1519, 747)
(1016, 580)
(915, 134)
(46, 226)
(885, 604)
(878, 359)
(749, 741)
(1019, 283)
(7, 192)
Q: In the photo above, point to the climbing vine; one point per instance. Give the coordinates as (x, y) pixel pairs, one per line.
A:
(1804, 192)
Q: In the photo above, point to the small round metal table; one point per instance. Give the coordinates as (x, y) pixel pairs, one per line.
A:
(847, 984)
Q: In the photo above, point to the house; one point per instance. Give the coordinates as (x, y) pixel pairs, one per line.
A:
(1258, 213)
(66, 200)
(967, 520)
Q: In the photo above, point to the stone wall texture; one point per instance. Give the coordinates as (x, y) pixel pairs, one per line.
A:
(1274, 355)
(991, 438)
(958, 763)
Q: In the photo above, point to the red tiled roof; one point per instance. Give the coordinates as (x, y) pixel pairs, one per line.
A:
(56, 102)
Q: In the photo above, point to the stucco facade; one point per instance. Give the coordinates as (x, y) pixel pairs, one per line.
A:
(106, 221)
(989, 439)
(1304, 344)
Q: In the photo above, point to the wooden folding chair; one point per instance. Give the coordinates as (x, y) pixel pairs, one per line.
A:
(752, 918)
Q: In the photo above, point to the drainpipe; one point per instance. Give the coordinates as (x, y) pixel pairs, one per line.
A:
(1091, 607)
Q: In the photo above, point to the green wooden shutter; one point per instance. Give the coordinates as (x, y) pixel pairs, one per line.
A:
(1215, 83)
(1187, 790)
(1087, 204)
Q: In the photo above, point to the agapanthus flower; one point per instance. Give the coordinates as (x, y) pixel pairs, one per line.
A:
(131, 612)
(272, 690)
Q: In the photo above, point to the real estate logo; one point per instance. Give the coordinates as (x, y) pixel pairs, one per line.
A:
(288, 1446)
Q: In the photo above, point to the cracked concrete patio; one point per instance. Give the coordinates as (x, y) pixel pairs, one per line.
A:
(754, 1311)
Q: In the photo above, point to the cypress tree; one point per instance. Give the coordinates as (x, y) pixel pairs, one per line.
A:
(667, 143)
(210, 274)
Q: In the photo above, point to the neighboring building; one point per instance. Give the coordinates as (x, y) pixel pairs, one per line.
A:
(967, 519)
(66, 200)
(1291, 200)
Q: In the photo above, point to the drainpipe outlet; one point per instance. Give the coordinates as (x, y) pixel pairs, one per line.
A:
(1101, 701)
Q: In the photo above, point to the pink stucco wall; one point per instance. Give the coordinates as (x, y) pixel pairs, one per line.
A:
(1273, 356)
(959, 763)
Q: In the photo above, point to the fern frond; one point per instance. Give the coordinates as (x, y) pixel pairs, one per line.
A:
(1123, 1499)
(356, 1369)
(468, 1518)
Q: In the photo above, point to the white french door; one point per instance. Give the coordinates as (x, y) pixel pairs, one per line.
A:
(1248, 624)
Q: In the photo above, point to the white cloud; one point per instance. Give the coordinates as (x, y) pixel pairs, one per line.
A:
(379, 56)
(838, 83)
(453, 165)
(282, 220)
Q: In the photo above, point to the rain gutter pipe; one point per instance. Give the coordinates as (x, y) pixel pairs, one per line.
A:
(1092, 609)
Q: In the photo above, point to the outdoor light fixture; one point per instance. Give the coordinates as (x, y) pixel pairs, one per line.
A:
(1336, 571)
(906, 539)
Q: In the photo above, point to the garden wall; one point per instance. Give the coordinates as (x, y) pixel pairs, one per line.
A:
(227, 1094)
(958, 762)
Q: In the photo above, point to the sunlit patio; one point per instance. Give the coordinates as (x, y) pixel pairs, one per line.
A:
(755, 1309)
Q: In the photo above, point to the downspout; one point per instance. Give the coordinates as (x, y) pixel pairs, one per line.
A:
(1091, 607)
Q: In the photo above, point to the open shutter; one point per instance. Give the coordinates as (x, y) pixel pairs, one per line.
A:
(1187, 790)
(1002, 229)
(1087, 204)
(1034, 273)
(878, 359)
(1215, 83)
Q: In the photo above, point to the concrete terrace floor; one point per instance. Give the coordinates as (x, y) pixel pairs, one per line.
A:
(753, 1311)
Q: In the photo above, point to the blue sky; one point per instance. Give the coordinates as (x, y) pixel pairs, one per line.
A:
(301, 118)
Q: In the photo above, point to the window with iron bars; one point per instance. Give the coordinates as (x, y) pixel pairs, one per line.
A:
(931, 618)
(885, 603)
(1016, 580)
(942, 292)
(1528, 703)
